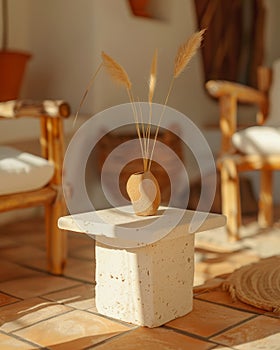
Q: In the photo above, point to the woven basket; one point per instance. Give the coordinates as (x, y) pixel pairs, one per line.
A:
(257, 284)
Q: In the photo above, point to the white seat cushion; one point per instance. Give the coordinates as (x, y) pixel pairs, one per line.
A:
(21, 172)
(263, 140)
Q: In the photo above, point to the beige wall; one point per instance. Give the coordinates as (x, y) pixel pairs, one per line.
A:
(272, 31)
(66, 38)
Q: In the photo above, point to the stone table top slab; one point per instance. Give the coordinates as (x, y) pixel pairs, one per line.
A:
(122, 224)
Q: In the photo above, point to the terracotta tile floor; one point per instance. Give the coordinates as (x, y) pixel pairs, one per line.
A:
(40, 311)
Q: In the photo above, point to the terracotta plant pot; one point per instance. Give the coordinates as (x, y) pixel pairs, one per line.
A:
(140, 7)
(144, 193)
(12, 67)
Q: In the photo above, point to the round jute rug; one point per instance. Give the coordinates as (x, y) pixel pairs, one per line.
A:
(257, 284)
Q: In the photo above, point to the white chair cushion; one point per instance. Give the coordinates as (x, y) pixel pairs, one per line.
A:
(21, 172)
(263, 140)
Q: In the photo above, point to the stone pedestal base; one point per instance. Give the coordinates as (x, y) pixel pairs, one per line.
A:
(149, 285)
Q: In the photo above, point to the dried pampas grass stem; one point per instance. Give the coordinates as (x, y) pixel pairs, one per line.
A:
(153, 77)
(183, 57)
(187, 51)
(116, 71)
(120, 76)
(86, 93)
(152, 85)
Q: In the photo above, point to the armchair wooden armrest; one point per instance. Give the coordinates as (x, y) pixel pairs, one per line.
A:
(29, 108)
(243, 93)
(230, 94)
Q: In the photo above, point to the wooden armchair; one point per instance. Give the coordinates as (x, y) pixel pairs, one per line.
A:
(250, 148)
(20, 190)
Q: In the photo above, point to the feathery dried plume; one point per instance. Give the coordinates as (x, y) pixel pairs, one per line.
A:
(152, 85)
(187, 51)
(86, 92)
(183, 57)
(153, 77)
(116, 71)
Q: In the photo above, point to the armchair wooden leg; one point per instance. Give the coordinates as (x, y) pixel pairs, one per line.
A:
(231, 206)
(265, 215)
(56, 238)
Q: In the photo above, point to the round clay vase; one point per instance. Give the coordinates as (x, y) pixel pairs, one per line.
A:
(144, 193)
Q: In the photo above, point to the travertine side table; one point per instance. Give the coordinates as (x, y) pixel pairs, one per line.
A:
(144, 265)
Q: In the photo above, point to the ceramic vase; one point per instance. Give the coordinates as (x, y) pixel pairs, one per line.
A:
(144, 193)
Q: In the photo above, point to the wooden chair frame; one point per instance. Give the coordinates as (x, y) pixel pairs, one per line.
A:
(230, 162)
(51, 115)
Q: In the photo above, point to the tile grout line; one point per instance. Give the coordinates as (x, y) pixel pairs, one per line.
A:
(234, 326)
(12, 296)
(202, 338)
(28, 342)
(218, 346)
(49, 274)
(130, 325)
(79, 284)
(230, 306)
(270, 314)
(111, 338)
(40, 321)
(65, 289)
(42, 295)
(192, 335)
